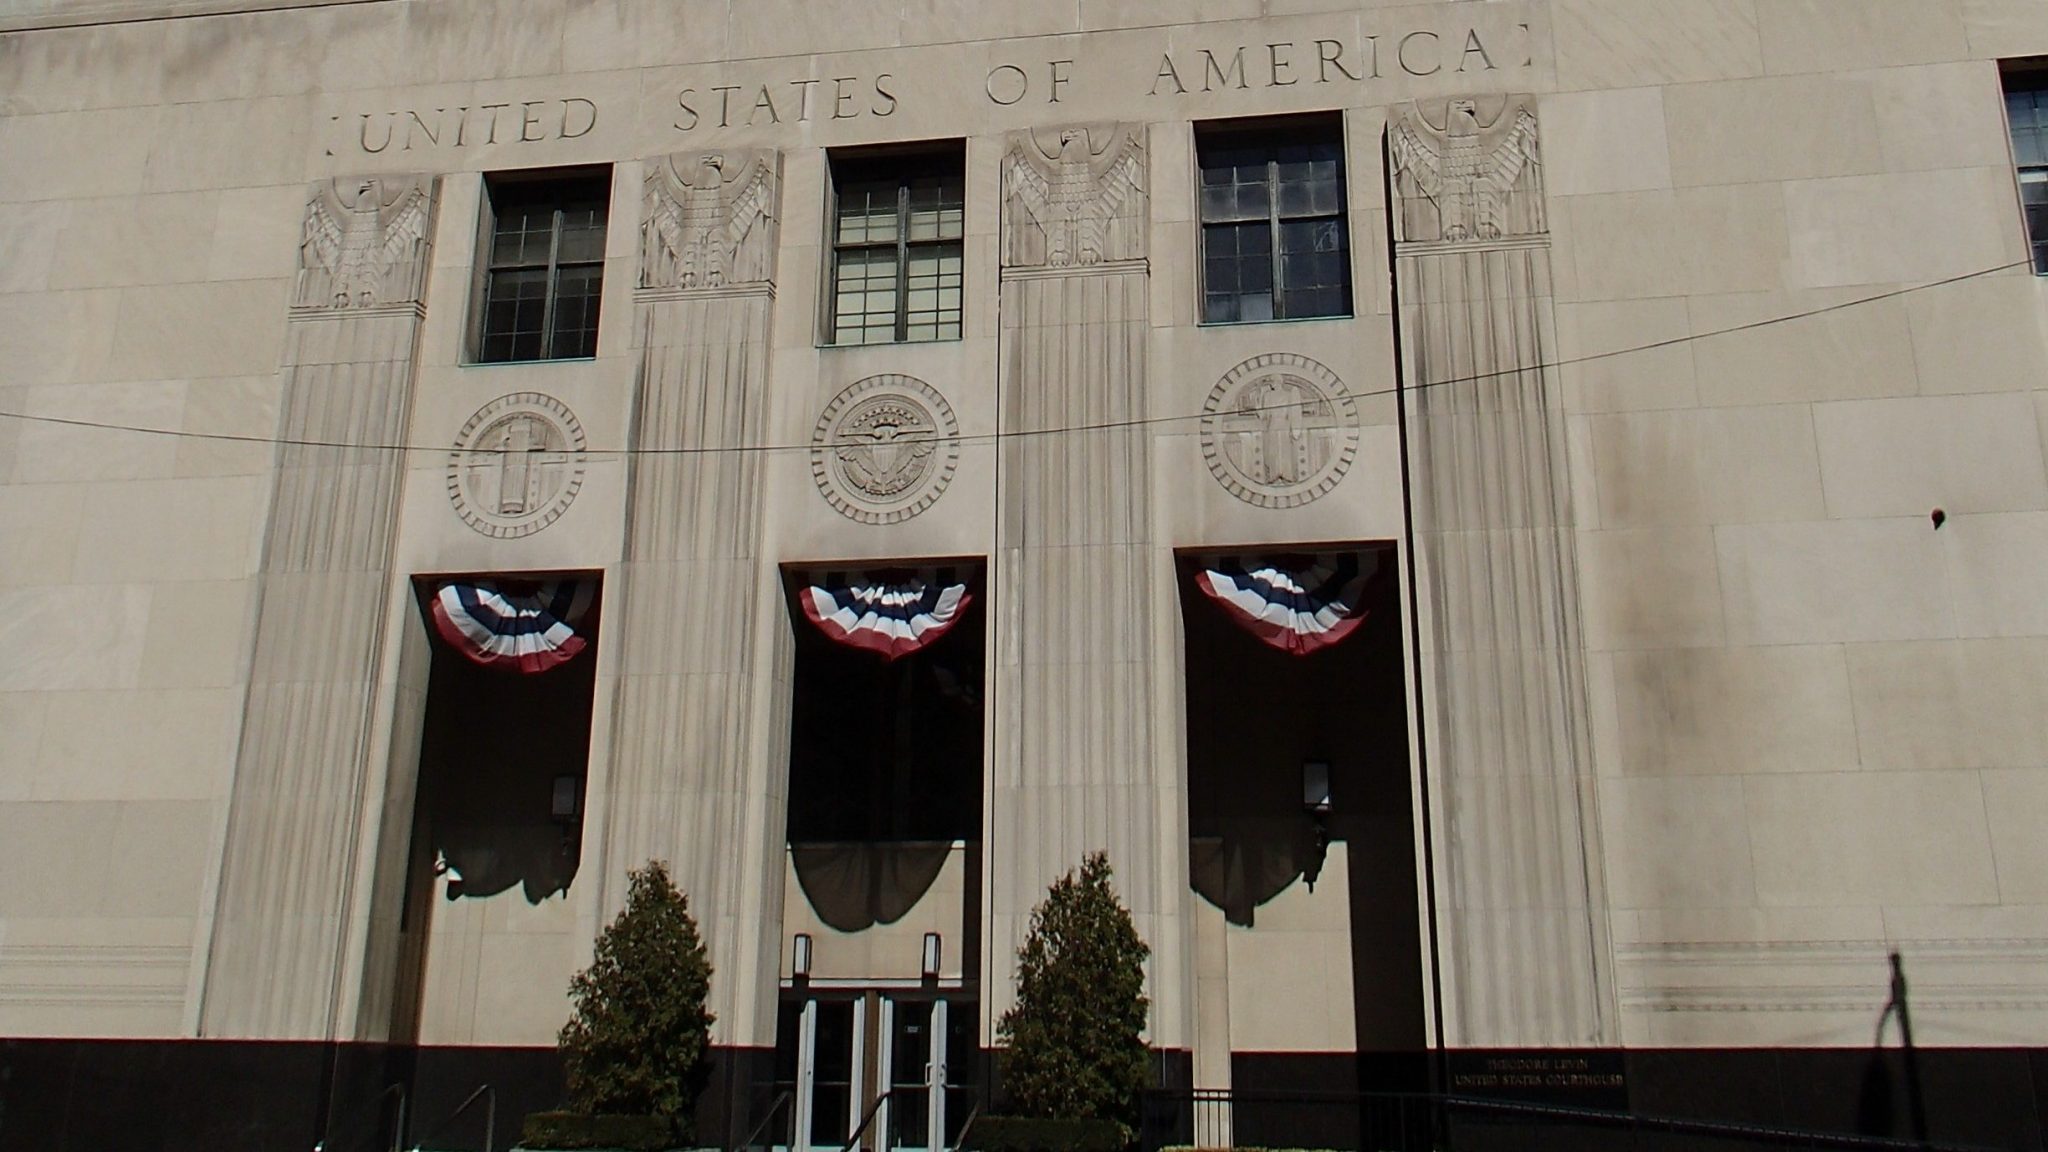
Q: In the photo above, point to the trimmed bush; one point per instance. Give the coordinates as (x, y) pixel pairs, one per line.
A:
(1039, 1134)
(636, 1043)
(571, 1130)
(1074, 1044)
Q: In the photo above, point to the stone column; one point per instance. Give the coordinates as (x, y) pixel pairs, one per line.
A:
(279, 932)
(1076, 762)
(690, 590)
(1525, 949)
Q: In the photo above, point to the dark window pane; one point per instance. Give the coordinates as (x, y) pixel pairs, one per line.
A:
(1285, 186)
(896, 257)
(546, 271)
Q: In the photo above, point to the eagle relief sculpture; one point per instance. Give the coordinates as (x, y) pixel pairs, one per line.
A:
(1464, 180)
(1079, 200)
(365, 242)
(708, 220)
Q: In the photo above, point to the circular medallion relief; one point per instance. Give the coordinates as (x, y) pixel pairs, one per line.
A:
(1279, 430)
(885, 448)
(517, 465)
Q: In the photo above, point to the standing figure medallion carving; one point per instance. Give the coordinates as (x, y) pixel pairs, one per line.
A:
(364, 242)
(1279, 430)
(885, 449)
(1464, 172)
(1074, 197)
(517, 465)
(708, 219)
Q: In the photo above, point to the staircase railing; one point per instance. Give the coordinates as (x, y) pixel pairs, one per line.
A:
(483, 1091)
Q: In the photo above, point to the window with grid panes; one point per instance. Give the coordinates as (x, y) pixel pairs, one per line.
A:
(545, 268)
(2026, 114)
(896, 229)
(1274, 243)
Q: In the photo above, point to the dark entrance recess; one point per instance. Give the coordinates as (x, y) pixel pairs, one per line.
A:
(1255, 717)
(499, 805)
(884, 761)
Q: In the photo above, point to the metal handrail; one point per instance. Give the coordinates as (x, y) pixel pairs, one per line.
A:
(874, 1109)
(490, 1118)
(967, 1125)
(397, 1133)
(774, 1106)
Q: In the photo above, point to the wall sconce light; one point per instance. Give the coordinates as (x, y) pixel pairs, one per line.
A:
(931, 955)
(566, 802)
(1315, 801)
(800, 956)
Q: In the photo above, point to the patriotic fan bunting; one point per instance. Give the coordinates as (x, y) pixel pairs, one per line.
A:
(526, 628)
(894, 617)
(1296, 604)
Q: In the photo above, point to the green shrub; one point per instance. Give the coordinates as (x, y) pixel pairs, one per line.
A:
(569, 1130)
(1074, 1044)
(636, 1043)
(1039, 1134)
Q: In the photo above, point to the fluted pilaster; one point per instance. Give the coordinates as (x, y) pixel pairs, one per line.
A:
(279, 935)
(683, 781)
(1525, 944)
(1076, 765)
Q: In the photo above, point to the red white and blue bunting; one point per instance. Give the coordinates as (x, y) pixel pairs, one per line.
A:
(893, 614)
(518, 626)
(1298, 604)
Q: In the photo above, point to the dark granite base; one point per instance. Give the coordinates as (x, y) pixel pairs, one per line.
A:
(207, 1095)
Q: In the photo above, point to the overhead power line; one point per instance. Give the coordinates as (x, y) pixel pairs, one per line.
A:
(1022, 433)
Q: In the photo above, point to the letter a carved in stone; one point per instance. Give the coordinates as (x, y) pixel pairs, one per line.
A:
(365, 242)
(1465, 172)
(708, 220)
(1075, 198)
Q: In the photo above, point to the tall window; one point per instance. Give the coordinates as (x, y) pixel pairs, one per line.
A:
(1274, 244)
(896, 229)
(545, 267)
(2026, 113)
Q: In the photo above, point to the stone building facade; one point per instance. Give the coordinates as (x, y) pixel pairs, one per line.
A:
(1656, 388)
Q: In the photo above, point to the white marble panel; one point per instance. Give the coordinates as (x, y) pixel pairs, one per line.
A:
(1650, 588)
(1611, 141)
(1818, 582)
(1907, 456)
(172, 529)
(129, 240)
(1734, 710)
(1950, 704)
(1995, 567)
(1776, 128)
(40, 526)
(1774, 347)
(1900, 226)
(1825, 35)
(2016, 802)
(166, 744)
(55, 450)
(1712, 466)
(1676, 842)
(1624, 43)
(1870, 838)
(77, 636)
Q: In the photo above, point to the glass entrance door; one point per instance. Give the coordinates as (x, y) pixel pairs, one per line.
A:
(914, 1053)
(855, 1048)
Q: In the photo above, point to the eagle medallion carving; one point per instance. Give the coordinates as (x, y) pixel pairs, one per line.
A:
(708, 220)
(1467, 170)
(1074, 196)
(365, 242)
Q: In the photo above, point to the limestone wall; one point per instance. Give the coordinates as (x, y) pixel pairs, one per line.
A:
(1813, 724)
